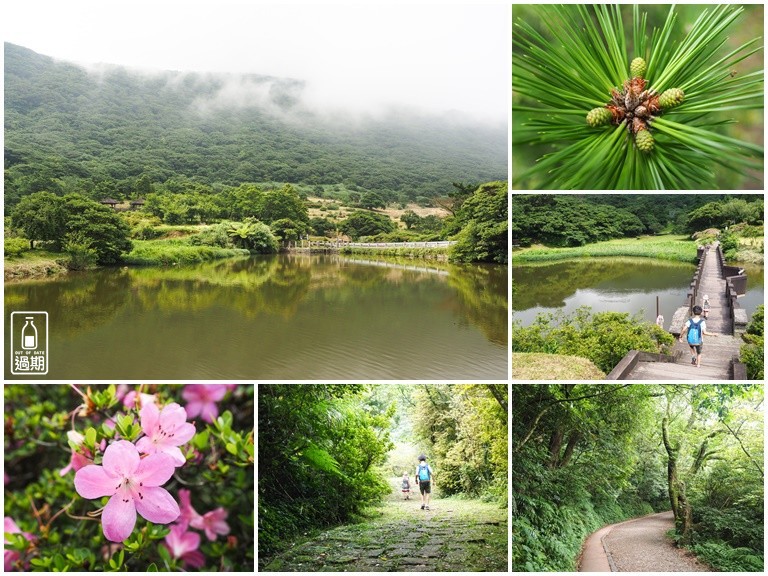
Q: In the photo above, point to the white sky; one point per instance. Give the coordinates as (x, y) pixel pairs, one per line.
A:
(433, 57)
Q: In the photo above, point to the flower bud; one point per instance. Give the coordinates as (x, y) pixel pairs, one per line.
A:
(599, 117)
(638, 68)
(671, 98)
(644, 140)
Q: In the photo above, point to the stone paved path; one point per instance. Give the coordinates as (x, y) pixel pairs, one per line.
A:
(454, 536)
(639, 545)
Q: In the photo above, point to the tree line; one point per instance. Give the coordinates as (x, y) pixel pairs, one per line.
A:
(575, 220)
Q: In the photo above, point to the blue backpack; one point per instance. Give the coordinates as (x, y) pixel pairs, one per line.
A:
(694, 332)
(423, 473)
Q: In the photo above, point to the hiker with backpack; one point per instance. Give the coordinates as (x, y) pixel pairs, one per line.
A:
(424, 477)
(695, 329)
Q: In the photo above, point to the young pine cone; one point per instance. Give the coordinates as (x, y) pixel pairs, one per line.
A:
(599, 117)
(671, 98)
(644, 141)
(638, 68)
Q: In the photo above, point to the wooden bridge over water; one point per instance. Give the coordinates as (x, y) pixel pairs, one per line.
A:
(723, 284)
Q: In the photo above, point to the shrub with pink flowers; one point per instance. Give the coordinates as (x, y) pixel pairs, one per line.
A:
(138, 478)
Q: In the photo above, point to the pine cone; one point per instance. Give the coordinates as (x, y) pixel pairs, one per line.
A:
(638, 68)
(671, 98)
(599, 117)
(644, 141)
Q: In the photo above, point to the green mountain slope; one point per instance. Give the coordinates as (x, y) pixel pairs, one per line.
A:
(66, 127)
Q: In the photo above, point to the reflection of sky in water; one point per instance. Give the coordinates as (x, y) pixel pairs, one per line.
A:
(613, 301)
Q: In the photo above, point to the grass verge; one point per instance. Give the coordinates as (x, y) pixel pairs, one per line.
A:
(667, 247)
(174, 252)
(539, 366)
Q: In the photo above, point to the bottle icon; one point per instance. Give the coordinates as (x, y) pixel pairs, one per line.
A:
(29, 334)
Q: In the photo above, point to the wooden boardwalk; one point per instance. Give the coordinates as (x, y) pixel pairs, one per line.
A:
(718, 351)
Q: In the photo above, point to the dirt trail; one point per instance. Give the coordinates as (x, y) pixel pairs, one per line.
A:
(639, 545)
(454, 536)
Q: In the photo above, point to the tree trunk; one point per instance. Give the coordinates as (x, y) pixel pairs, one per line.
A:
(555, 443)
(677, 498)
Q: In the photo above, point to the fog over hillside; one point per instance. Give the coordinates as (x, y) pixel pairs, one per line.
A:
(66, 124)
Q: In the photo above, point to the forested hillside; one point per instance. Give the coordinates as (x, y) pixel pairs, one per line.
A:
(116, 132)
(588, 455)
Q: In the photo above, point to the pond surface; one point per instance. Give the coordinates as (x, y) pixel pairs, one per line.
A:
(612, 284)
(286, 317)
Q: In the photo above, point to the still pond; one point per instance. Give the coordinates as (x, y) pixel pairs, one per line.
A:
(612, 284)
(286, 317)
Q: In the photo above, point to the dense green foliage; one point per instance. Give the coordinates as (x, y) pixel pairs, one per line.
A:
(40, 495)
(753, 352)
(460, 425)
(119, 133)
(319, 450)
(588, 455)
(726, 212)
(604, 338)
(483, 218)
(360, 224)
(73, 222)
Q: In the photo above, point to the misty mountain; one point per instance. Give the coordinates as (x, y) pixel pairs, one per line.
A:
(67, 126)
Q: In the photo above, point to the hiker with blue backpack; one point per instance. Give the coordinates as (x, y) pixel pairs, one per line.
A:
(424, 477)
(695, 329)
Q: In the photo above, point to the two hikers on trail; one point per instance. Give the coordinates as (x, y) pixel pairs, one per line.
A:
(696, 328)
(424, 478)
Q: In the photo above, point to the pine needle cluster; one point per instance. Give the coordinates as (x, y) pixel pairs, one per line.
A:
(569, 61)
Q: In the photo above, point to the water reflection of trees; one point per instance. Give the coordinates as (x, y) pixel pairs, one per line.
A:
(273, 285)
(82, 303)
(550, 285)
(482, 298)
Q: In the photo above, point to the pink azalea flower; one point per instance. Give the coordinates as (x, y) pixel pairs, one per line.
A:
(129, 401)
(188, 514)
(10, 557)
(201, 399)
(76, 462)
(133, 485)
(184, 545)
(213, 523)
(165, 431)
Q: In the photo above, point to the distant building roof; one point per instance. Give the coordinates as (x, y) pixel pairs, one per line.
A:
(110, 201)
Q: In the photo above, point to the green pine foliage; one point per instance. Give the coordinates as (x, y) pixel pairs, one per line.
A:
(567, 59)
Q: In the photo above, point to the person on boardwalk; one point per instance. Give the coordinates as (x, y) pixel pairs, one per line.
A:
(406, 488)
(696, 328)
(705, 306)
(424, 477)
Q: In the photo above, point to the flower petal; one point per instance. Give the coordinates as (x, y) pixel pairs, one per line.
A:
(209, 412)
(175, 453)
(145, 446)
(94, 482)
(121, 458)
(216, 392)
(155, 470)
(119, 517)
(172, 416)
(183, 433)
(150, 416)
(193, 408)
(156, 505)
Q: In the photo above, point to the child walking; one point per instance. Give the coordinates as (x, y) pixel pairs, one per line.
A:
(406, 489)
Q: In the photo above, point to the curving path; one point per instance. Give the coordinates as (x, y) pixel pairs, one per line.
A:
(639, 545)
